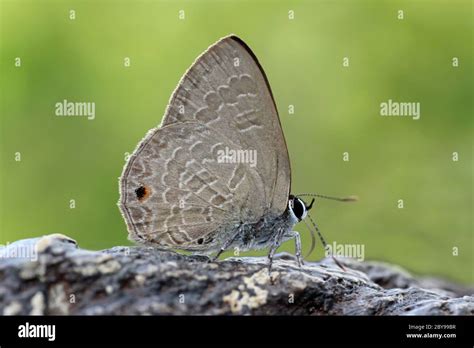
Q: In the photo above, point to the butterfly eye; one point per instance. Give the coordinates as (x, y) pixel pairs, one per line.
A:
(299, 209)
(142, 192)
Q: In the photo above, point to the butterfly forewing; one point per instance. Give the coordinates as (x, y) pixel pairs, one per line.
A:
(174, 190)
(227, 89)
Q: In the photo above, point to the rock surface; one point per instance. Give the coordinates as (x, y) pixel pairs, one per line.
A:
(63, 279)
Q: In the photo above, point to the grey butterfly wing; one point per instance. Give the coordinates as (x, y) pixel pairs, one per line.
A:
(227, 90)
(174, 192)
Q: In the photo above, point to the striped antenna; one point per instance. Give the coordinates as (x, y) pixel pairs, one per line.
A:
(325, 245)
(343, 199)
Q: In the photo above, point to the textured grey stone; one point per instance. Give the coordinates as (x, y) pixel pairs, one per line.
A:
(64, 279)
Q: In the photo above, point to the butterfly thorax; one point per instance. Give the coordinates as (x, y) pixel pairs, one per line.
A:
(264, 233)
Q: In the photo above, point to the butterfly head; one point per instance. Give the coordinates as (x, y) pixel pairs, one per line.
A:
(298, 207)
(299, 211)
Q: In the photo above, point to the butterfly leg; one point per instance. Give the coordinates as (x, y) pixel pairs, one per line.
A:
(273, 248)
(227, 243)
(297, 238)
(270, 256)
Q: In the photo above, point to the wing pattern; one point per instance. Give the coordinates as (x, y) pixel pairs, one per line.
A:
(175, 190)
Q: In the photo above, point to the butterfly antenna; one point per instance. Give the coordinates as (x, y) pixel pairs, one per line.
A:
(340, 199)
(313, 239)
(324, 243)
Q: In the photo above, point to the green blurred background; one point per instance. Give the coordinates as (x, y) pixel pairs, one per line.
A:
(336, 110)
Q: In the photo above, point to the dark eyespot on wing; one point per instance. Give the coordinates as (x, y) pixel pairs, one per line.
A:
(142, 193)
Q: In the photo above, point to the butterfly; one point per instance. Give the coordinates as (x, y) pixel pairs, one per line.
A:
(189, 184)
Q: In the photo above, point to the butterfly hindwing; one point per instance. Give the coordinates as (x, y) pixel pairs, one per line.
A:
(174, 181)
